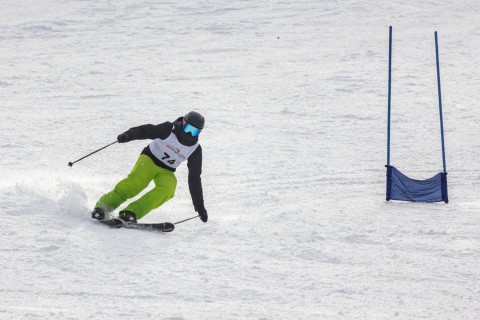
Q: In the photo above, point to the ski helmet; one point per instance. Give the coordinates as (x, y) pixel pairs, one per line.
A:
(195, 119)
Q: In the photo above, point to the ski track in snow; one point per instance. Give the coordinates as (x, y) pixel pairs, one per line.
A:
(294, 95)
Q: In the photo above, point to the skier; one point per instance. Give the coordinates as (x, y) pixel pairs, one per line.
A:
(172, 143)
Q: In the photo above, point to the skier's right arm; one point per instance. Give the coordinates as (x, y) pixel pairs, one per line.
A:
(147, 131)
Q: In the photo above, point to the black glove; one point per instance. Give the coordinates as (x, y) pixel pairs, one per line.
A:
(124, 137)
(203, 214)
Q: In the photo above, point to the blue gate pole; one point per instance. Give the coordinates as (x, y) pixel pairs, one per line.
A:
(440, 104)
(389, 91)
(389, 169)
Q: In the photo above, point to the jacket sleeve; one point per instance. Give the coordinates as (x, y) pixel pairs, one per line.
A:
(195, 180)
(150, 131)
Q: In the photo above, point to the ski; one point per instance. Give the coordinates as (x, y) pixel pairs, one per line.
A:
(119, 223)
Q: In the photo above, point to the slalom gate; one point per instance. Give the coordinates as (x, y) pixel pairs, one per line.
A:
(399, 186)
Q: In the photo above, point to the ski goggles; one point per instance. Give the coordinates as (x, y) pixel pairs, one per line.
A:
(188, 128)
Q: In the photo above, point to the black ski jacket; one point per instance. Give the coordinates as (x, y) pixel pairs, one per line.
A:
(194, 164)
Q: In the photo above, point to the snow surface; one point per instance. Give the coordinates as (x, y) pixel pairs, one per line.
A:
(294, 93)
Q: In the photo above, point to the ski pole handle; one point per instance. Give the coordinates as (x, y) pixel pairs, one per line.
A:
(88, 155)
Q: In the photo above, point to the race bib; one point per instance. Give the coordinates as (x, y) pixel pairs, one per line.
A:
(170, 151)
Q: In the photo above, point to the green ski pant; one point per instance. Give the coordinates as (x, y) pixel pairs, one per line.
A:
(144, 171)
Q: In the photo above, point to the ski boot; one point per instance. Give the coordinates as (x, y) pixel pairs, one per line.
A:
(128, 216)
(98, 213)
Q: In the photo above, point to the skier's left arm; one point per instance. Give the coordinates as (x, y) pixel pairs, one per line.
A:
(195, 182)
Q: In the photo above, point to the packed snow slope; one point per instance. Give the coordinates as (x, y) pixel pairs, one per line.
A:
(294, 95)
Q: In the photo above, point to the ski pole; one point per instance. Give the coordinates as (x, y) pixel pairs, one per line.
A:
(186, 220)
(88, 155)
